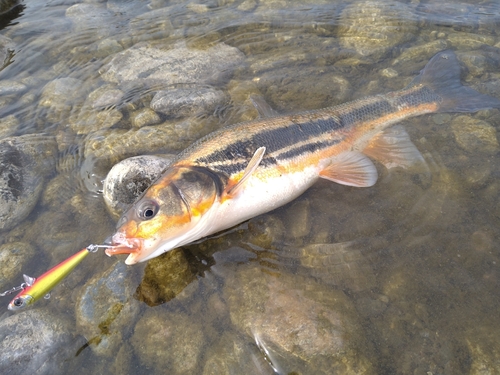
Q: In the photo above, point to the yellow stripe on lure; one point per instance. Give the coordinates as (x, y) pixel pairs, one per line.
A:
(34, 289)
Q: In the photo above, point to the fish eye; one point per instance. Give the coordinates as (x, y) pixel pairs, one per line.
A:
(18, 302)
(148, 210)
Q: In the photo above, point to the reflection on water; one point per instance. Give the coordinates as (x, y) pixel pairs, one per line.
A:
(398, 278)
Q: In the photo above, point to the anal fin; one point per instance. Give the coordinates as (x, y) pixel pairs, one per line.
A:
(393, 148)
(351, 168)
(249, 170)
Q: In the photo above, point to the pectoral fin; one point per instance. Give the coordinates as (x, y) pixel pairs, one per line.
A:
(393, 148)
(249, 170)
(351, 168)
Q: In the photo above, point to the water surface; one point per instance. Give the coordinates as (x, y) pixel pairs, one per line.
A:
(408, 269)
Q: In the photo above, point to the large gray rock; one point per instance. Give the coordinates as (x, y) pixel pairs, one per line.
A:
(304, 326)
(25, 162)
(106, 308)
(36, 342)
(168, 341)
(87, 17)
(157, 66)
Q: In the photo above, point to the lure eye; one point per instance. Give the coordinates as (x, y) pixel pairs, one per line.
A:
(148, 210)
(18, 302)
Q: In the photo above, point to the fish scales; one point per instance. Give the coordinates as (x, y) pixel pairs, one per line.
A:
(289, 137)
(251, 168)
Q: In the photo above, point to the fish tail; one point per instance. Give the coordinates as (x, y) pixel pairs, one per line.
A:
(442, 75)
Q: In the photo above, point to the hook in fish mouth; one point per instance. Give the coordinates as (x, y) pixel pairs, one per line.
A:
(122, 245)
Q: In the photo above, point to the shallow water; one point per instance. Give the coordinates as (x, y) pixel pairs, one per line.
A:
(403, 277)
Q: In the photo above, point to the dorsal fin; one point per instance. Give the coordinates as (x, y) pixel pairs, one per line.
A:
(393, 148)
(251, 167)
(351, 168)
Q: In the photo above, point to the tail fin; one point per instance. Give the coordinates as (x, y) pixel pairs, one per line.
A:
(442, 75)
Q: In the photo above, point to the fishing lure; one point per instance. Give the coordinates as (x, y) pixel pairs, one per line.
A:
(34, 288)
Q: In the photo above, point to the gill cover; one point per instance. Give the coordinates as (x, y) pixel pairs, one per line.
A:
(167, 214)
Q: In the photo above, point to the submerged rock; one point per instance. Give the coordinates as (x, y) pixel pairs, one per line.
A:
(168, 341)
(188, 101)
(8, 126)
(305, 326)
(164, 67)
(165, 277)
(25, 162)
(13, 258)
(36, 342)
(373, 28)
(106, 308)
(240, 356)
(475, 135)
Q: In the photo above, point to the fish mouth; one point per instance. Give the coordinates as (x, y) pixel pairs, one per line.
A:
(120, 244)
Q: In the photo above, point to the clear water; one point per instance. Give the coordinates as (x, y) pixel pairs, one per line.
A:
(413, 260)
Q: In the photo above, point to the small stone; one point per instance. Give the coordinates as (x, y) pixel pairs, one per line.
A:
(441, 118)
(188, 101)
(8, 87)
(14, 257)
(468, 41)
(61, 91)
(8, 126)
(475, 135)
(144, 117)
(108, 47)
(389, 73)
(105, 96)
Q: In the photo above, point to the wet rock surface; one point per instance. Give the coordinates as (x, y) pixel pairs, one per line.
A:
(188, 101)
(178, 65)
(105, 307)
(14, 257)
(25, 163)
(311, 326)
(36, 342)
(370, 26)
(185, 340)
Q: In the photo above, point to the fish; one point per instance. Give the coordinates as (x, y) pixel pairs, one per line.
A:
(250, 168)
(35, 288)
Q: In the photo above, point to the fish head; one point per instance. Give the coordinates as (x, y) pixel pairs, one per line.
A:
(20, 301)
(174, 211)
